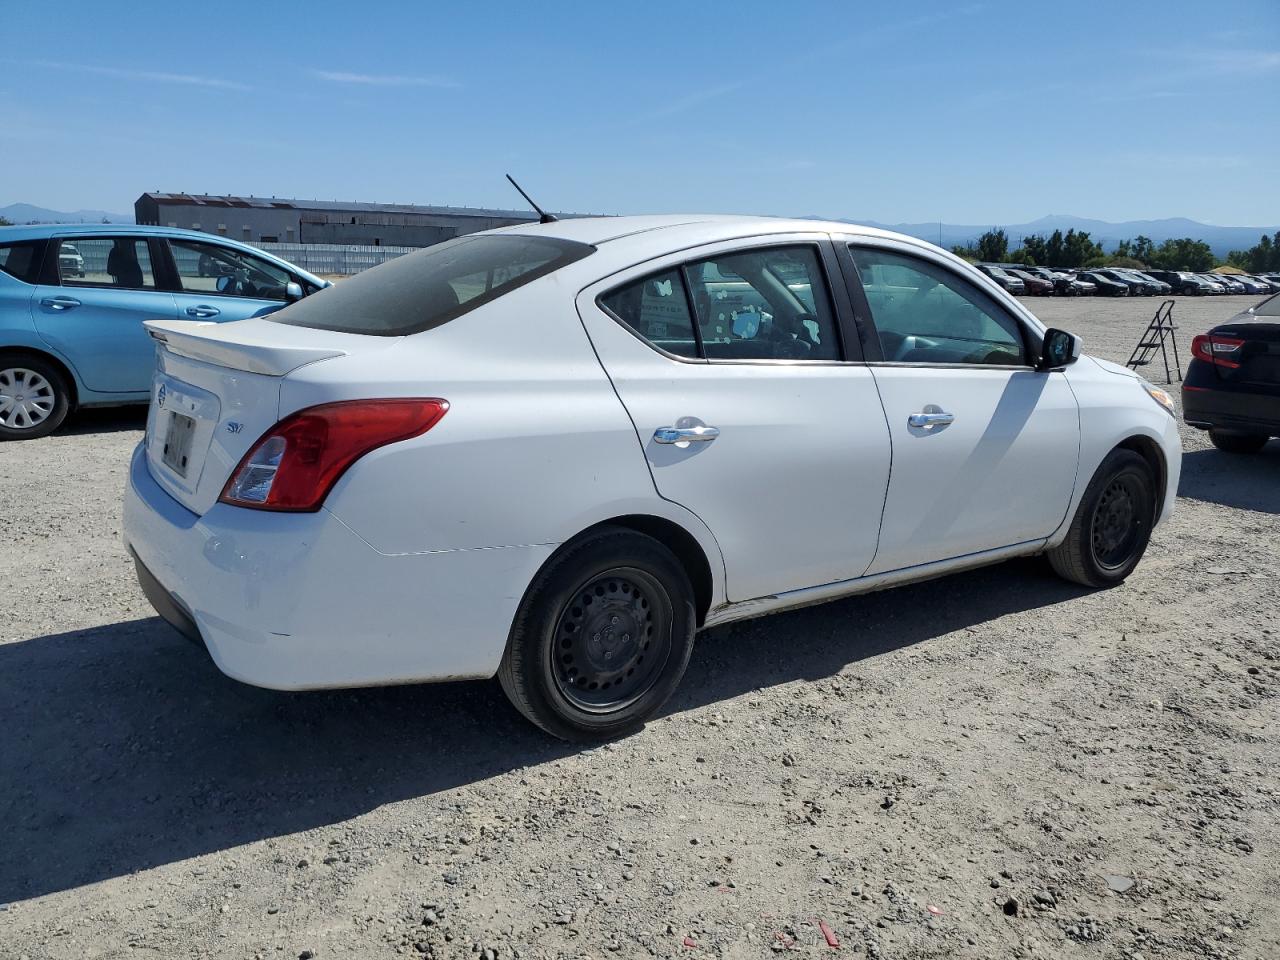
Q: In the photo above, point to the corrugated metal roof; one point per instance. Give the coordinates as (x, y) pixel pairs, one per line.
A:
(209, 200)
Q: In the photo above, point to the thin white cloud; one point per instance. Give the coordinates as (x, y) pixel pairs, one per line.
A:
(695, 99)
(148, 76)
(1192, 62)
(383, 80)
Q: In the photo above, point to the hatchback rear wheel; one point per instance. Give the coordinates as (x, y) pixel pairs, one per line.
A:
(34, 398)
(602, 638)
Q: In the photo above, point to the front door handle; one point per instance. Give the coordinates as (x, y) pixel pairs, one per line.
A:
(685, 434)
(60, 303)
(203, 311)
(939, 419)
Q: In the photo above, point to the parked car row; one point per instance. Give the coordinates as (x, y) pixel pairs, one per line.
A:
(1021, 280)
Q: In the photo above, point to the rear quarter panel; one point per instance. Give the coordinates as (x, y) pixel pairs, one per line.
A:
(535, 448)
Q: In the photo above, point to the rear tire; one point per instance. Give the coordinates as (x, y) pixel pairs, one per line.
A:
(602, 637)
(34, 397)
(1112, 526)
(1237, 442)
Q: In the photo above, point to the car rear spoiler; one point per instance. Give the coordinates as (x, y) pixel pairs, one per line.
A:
(237, 346)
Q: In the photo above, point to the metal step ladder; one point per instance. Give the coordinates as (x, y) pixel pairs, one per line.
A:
(1160, 336)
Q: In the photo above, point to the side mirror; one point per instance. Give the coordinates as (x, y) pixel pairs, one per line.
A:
(1058, 350)
(224, 282)
(293, 291)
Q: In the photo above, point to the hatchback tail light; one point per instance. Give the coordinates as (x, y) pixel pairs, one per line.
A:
(295, 464)
(1216, 350)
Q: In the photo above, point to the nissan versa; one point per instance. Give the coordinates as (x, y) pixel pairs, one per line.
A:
(554, 452)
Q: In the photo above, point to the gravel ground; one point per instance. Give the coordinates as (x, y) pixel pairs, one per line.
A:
(997, 764)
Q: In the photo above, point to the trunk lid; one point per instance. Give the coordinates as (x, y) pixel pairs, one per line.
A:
(216, 390)
(1258, 355)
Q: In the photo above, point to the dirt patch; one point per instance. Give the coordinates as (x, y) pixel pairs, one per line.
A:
(993, 764)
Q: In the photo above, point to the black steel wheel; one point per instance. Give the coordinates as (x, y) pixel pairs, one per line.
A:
(1112, 525)
(602, 636)
(613, 638)
(1118, 523)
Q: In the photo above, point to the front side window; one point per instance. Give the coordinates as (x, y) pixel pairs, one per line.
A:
(208, 268)
(766, 304)
(925, 313)
(105, 262)
(429, 287)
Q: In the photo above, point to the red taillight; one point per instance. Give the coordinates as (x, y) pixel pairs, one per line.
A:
(1212, 348)
(295, 464)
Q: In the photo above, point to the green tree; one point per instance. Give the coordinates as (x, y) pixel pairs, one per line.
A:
(1183, 254)
(5, 223)
(1262, 257)
(1037, 249)
(1054, 251)
(1079, 249)
(992, 246)
(966, 252)
(1143, 248)
(1020, 256)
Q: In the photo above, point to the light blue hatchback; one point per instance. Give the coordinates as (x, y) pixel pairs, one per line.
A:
(73, 298)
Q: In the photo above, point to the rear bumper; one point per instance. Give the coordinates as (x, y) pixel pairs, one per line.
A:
(299, 601)
(1206, 406)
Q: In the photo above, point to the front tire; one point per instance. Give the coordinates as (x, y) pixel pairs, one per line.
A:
(34, 397)
(1112, 526)
(602, 637)
(1237, 442)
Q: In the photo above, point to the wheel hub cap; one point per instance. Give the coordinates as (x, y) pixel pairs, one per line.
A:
(26, 398)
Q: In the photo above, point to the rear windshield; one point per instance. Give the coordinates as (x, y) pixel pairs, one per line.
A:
(1269, 307)
(430, 287)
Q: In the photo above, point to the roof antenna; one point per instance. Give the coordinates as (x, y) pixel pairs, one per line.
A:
(543, 216)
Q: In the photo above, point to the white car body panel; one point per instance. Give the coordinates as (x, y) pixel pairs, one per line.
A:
(416, 564)
(1001, 474)
(803, 448)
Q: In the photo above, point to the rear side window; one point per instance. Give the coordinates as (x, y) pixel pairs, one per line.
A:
(105, 262)
(20, 260)
(765, 304)
(428, 288)
(658, 310)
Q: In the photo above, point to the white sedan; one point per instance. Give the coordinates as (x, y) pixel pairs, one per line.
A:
(555, 452)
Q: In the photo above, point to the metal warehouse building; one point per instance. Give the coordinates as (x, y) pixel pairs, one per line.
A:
(268, 220)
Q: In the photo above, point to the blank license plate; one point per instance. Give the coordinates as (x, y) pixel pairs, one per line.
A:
(177, 442)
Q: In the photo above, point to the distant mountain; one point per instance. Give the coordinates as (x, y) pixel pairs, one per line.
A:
(1221, 239)
(26, 213)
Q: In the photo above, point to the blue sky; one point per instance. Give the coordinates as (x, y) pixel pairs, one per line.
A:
(963, 112)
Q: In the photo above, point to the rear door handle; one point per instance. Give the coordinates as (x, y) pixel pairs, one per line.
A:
(203, 311)
(930, 419)
(60, 303)
(685, 434)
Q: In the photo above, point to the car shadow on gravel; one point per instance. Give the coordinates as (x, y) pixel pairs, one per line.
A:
(106, 420)
(1247, 481)
(124, 748)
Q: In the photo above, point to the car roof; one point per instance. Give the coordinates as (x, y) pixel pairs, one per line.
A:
(41, 231)
(676, 231)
